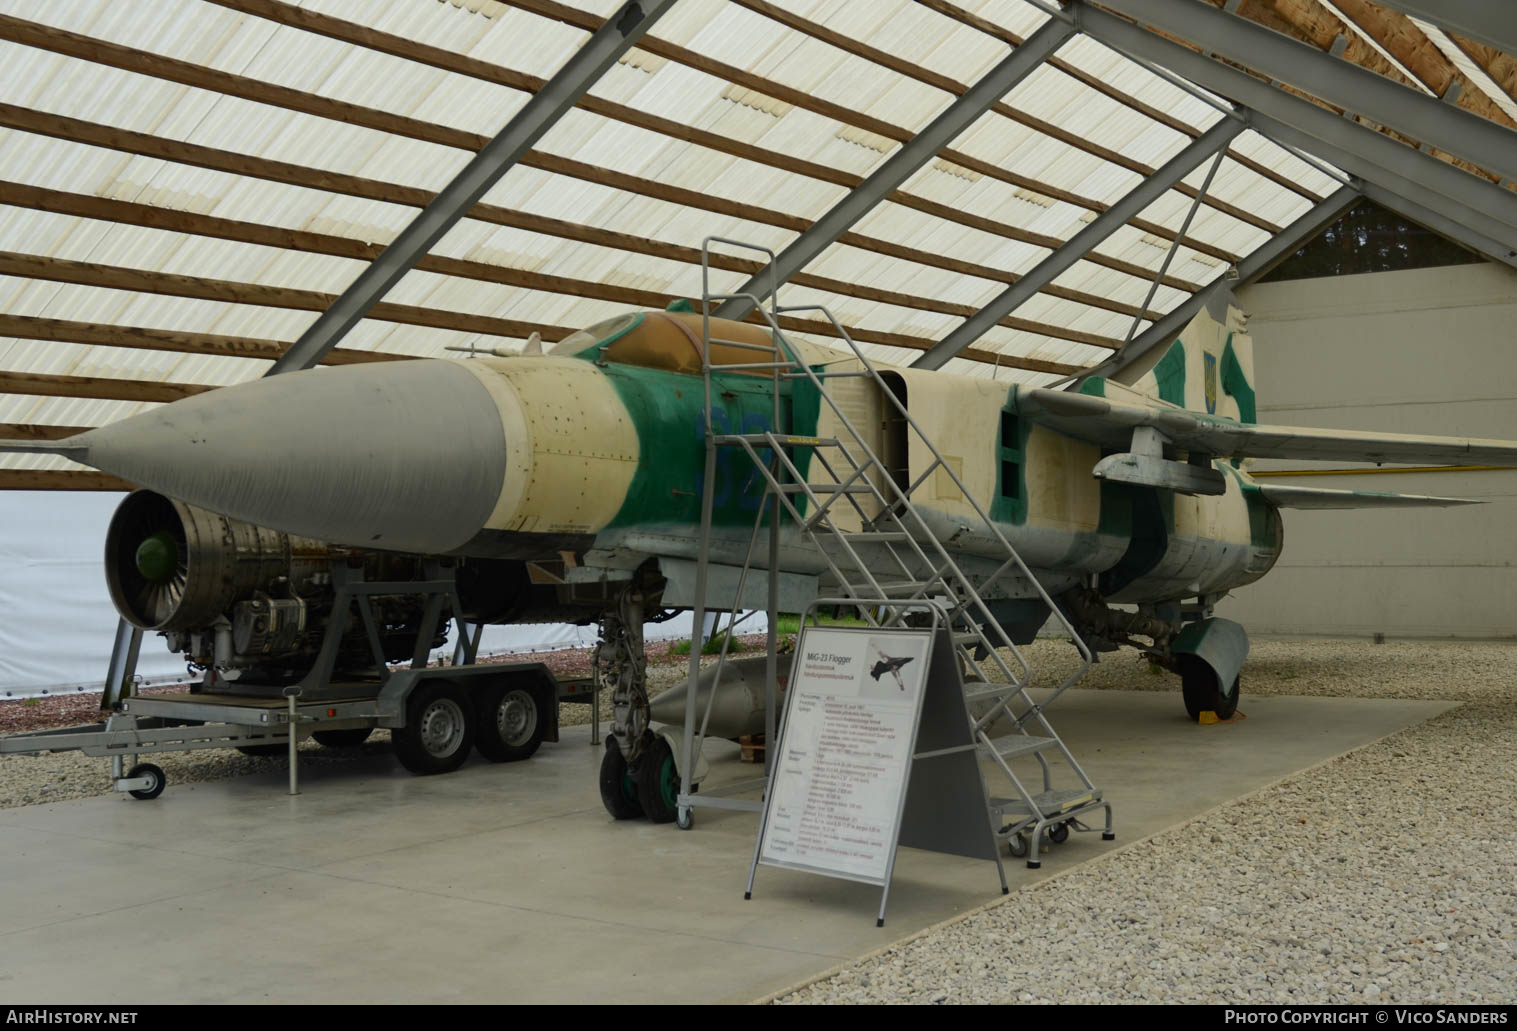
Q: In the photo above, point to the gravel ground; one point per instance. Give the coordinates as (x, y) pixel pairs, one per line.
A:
(1384, 876)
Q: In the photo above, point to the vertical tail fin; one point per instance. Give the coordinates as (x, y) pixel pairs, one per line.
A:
(1210, 368)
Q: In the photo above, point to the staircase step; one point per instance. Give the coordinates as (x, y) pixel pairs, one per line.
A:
(1013, 745)
(826, 488)
(1049, 803)
(979, 690)
(875, 537)
(782, 439)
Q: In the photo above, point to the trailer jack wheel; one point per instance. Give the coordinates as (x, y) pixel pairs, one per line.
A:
(154, 774)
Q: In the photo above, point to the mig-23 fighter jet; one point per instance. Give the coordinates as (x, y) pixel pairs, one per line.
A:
(568, 485)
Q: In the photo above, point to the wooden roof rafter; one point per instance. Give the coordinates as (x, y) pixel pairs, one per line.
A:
(95, 134)
(171, 69)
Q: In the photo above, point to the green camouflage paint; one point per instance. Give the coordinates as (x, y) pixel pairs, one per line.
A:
(1235, 383)
(1170, 374)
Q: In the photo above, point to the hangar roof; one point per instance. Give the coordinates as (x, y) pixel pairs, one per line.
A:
(186, 184)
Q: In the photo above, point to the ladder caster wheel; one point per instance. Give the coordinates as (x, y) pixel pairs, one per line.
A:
(1108, 836)
(684, 819)
(1033, 864)
(1059, 833)
(1016, 844)
(155, 788)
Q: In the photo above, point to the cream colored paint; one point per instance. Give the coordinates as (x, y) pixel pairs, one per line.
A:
(859, 399)
(961, 417)
(1062, 495)
(572, 448)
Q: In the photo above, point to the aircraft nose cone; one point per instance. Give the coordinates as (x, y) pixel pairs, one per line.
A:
(407, 456)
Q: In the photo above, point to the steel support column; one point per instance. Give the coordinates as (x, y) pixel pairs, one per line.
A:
(1452, 129)
(912, 155)
(613, 39)
(1287, 242)
(1429, 173)
(1082, 243)
(1491, 22)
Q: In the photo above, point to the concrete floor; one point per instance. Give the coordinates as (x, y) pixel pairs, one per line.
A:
(510, 884)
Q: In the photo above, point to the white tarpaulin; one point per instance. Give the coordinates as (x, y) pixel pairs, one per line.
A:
(57, 622)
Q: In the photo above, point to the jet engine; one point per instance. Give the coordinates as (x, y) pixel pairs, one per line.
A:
(235, 596)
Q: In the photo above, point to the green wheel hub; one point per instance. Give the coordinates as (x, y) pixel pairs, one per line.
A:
(668, 783)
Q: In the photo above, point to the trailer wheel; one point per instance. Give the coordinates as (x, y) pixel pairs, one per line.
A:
(510, 723)
(439, 729)
(658, 782)
(153, 790)
(617, 792)
(342, 738)
(259, 751)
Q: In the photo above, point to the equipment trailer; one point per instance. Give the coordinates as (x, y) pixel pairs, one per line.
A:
(436, 714)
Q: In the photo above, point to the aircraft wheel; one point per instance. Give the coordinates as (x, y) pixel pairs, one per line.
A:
(510, 724)
(1226, 707)
(617, 791)
(1199, 685)
(658, 782)
(153, 790)
(340, 738)
(439, 729)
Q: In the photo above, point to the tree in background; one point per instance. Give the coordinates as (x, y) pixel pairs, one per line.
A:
(1368, 238)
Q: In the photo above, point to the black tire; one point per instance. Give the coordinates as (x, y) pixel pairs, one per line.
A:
(617, 791)
(439, 730)
(1016, 844)
(153, 790)
(261, 751)
(1058, 833)
(342, 738)
(1199, 685)
(658, 782)
(510, 723)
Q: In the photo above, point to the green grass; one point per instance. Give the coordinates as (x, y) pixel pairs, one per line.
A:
(790, 622)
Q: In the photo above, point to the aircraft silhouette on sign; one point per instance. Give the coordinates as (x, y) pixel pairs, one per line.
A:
(891, 666)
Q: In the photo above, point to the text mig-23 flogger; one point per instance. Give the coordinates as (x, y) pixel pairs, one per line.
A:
(568, 485)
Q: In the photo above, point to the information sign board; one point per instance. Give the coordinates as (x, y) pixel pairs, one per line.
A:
(840, 782)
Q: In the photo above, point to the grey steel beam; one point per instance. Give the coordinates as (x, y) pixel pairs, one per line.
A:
(1379, 183)
(1279, 247)
(912, 155)
(1492, 22)
(560, 93)
(1429, 173)
(1495, 250)
(1109, 221)
(1346, 85)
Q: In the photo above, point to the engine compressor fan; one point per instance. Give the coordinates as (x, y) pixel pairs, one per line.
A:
(147, 560)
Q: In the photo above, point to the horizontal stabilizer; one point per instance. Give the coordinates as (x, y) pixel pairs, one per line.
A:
(1111, 423)
(1290, 496)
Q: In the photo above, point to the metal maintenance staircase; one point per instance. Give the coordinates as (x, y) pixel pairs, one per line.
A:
(880, 552)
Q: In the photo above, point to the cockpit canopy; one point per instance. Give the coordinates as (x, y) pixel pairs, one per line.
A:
(671, 340)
